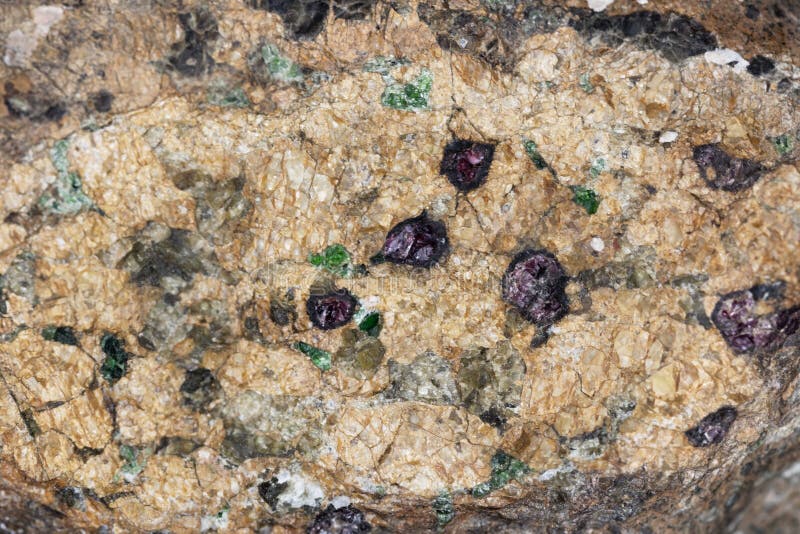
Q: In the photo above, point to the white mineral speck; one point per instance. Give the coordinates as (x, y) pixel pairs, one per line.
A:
(300, 491)
(600, 5)
(597, 244)
(340, 501)
(725, 56)
(668, 137)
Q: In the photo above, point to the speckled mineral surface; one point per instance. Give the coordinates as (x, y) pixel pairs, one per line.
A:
(402, 266)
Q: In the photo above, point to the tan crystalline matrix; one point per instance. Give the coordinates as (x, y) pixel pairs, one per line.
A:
(169, 172)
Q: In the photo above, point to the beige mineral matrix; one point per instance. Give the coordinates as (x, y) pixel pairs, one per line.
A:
(399, 266)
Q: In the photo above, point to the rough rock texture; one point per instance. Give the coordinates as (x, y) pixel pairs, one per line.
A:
(180, 180)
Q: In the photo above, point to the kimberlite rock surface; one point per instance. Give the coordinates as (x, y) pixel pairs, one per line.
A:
(344, 266)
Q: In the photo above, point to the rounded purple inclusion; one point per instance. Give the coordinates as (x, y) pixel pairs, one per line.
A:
(744, 331)
(466, 163)
(331, 310)
(535, 284)
(419, 241)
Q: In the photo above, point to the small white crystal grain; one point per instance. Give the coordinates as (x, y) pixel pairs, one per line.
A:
(726, 56)
(600, 5)
(668, 137)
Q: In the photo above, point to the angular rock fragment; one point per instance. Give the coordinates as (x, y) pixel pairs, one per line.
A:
(675, 36)
(20, 277)
(360, 355)
(429, 378)
(490, 382)
(73, 497)
(269, 425)
(712, 428)
(270, 490)
(168, 257)
(282, 310)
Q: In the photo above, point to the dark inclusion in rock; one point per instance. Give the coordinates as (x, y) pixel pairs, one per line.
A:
(466, 163)
(676, 36)
(115, 364)
(200, 387)
(303, 18)
(467, 33)
(73, 497)
(102, 100)
(270, 490)
(535, 284)
(745, 331)
(727, 172)
(345, 520)
(180, 256)
(60, 334)
(352, 9)
(760, 65)
(282, 310)
(191, 57)
(712, 428)
(331, 310)
(419, 241)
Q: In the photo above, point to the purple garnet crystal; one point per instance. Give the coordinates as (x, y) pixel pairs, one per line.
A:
(331, 310)
(534, 283)
(419, 241)
(466, 164)
(729, 173)
(712, 428)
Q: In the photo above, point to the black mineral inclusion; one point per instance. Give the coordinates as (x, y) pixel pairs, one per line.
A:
(760, 65)
(331, 310)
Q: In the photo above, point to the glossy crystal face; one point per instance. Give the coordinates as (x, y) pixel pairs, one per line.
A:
(331, 310)
(419, 241)
(466, 164)
(534, 283)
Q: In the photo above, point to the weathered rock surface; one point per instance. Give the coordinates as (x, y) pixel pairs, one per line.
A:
(182, 185)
